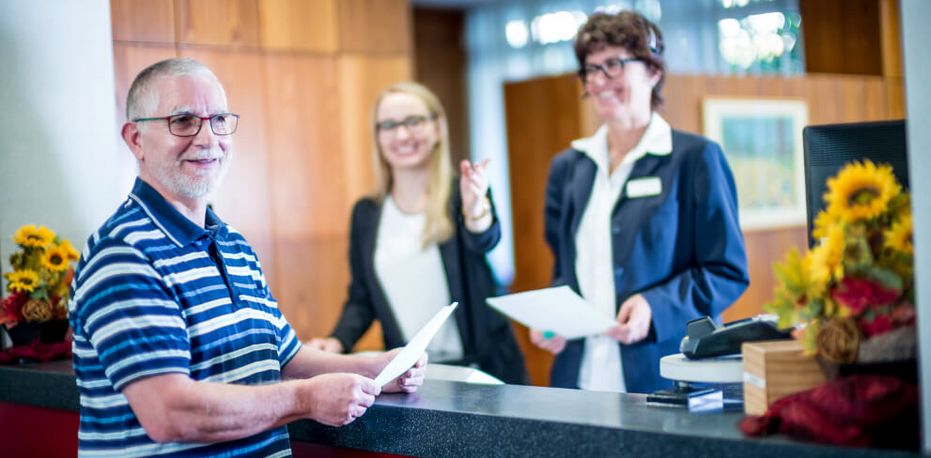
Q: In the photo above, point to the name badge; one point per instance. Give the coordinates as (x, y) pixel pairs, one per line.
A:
(644, 187)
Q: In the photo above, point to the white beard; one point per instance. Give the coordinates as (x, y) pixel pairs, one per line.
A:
(192, 187)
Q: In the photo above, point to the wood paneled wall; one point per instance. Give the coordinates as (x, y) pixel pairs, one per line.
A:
(544, 114)
(441, 63)
(303, 74)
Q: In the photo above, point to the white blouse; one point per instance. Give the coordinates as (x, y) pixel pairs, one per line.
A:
(602, 368)
(414, 279)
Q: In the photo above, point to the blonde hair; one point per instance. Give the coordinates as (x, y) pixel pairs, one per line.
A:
(438, 226)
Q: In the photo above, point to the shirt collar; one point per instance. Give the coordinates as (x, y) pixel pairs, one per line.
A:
(177, 227)
(656, 140)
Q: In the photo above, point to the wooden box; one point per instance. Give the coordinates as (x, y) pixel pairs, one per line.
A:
(775, 369)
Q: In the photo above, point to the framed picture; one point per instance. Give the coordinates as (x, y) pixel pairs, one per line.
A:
(762, 140)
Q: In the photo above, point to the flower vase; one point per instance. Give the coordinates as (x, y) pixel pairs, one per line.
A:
(48, 332)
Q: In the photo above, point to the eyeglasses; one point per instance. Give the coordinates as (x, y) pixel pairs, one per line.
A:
(188, 125)
(412, 123)
(611, 68)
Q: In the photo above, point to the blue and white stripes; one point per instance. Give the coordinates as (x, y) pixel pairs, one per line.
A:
(149, 299)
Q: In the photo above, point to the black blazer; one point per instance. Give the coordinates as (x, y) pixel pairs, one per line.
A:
(682, 249)
(487, 340)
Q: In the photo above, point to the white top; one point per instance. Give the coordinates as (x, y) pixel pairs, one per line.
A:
(414, 279)
(601, 368)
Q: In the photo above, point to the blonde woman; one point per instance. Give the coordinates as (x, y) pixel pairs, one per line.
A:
(420, 241)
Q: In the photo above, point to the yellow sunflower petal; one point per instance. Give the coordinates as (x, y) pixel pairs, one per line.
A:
(861, 191)
(899, 236)
(827, 256)
(55, 259)
(69, 249)
(23, 281)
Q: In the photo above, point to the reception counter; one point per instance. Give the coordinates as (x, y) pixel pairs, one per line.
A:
(457, 419)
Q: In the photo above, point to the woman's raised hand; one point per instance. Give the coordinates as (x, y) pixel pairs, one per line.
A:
(473, 186)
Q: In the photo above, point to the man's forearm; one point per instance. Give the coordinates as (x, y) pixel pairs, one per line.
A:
(174, 408)
(309, 363)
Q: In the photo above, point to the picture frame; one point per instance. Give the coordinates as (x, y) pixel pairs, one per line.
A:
(762, 141)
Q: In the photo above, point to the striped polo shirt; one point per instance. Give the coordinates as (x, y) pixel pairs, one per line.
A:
(156, 294)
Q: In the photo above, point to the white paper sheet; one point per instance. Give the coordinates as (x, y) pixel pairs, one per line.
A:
(559, 310)
(415, 348)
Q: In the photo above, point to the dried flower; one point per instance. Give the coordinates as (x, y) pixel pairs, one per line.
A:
(838, 340)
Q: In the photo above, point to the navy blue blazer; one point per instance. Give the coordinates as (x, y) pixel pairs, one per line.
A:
(683, 249)
(487, 338)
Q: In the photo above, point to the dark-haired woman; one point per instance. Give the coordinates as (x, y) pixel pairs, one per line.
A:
(642, 219)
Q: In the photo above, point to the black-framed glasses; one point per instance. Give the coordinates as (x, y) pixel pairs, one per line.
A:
(412, 123)
(188, 125)
(611, 68)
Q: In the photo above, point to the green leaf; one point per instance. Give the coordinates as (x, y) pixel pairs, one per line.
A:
(885, 277)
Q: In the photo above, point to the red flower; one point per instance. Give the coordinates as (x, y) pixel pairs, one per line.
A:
(879, 325)
(11, 308)
(859, 293)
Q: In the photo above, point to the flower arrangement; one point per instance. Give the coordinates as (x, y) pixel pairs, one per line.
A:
(40, 278)
(857, 283)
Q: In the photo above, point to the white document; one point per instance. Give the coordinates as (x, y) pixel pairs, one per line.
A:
(415, 348)
(559, 310)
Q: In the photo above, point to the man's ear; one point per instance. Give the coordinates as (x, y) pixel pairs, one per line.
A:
(133, 139)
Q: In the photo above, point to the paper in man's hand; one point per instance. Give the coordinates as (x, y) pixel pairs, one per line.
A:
(412, 351)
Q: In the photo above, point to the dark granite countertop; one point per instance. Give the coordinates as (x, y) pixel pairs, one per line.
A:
(458, 419)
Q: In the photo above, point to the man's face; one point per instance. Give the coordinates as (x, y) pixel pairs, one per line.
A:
(184, 168)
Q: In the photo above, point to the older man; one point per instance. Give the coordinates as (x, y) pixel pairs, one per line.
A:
(179, 347)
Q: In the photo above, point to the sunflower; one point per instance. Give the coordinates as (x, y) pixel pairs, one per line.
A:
(861, 191)
(899, 236)
(23, 281)
(823, 222)
(69, 250)
(55, 259)
(826, 258)
(30, 236)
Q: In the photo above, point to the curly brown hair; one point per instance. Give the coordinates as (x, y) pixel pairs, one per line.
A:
(631, 31)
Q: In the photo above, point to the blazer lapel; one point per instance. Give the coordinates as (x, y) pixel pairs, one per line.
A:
(581, 181)
(456, 278)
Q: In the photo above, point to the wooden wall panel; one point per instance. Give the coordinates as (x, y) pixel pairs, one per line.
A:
(298, 25)
(842, 36)
(307, 159)
(374, 26)
(149, 21)
(361, 79)
(535, 112)
(309, 211)
(218, 22)
(441, 64)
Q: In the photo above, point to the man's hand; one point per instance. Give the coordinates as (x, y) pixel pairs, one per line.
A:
(338, 399)
(633, 320)
(327, 344)
(549, 341)
(407, 382)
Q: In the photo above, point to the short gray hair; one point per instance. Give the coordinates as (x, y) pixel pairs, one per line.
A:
(142, 101)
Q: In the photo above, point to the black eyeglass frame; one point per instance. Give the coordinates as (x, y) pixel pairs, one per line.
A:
(200, 120)
(410, 122)
(620, 62)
